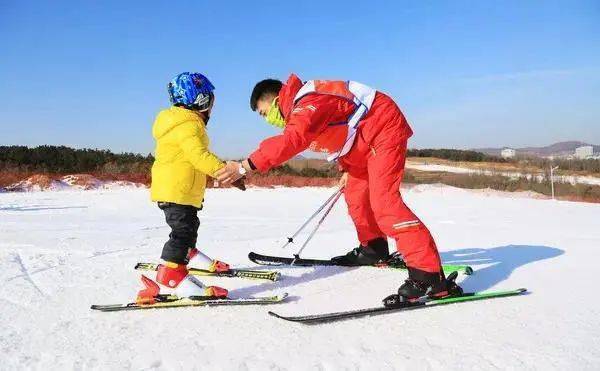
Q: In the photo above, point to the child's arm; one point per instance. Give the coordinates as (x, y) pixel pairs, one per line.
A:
(190, 137)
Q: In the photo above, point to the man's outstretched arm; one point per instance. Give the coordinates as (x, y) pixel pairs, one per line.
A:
(306, 122)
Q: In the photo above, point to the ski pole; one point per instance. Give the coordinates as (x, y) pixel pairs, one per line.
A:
(337, 197)
(291, 239)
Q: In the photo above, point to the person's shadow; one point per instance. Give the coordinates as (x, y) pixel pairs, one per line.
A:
(502, 261)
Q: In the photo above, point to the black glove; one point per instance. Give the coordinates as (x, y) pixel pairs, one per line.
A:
(239, 184)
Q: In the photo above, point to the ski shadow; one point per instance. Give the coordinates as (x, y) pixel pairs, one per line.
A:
(285, 281)
(502, 261)
(39, 208)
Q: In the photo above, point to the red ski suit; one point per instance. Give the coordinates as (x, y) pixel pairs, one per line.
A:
(375, 164)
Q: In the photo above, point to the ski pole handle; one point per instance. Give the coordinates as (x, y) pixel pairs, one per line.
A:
(337, 194)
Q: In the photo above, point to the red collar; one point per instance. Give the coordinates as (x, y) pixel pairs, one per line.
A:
(287, 93)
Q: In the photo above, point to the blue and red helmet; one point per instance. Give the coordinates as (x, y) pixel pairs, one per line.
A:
(191, 90)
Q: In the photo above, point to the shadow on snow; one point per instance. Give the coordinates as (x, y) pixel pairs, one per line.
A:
(500, 262)
(316, 273)
(39, 208)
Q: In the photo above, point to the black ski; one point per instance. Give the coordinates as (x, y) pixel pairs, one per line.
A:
(169, 301)
(337, 316)
(240, 273)
(395, 262)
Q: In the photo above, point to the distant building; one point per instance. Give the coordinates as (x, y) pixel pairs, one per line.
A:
(508, 153)
(584, 152)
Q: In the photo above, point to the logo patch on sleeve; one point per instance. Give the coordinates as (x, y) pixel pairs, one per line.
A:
(309, 107)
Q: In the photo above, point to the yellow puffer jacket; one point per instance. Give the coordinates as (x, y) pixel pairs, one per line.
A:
(182, 157)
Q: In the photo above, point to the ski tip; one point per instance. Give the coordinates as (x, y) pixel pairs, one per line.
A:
(468, 270)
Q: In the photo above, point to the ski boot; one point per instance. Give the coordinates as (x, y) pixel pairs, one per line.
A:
(376, 252)
(396, 261)
(202, 261)
(175, 276)
(421, 284)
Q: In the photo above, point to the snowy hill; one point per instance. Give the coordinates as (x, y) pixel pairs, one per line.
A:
(40, 182)
(60, 252)
(556, 149)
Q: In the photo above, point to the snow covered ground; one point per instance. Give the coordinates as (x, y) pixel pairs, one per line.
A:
(62, 251)
(573, 179)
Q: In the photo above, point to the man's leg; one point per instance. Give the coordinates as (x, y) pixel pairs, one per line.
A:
(356, 195)
(373, 246)
(413, 239)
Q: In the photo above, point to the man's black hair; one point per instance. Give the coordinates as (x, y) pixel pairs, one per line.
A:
(264, 88)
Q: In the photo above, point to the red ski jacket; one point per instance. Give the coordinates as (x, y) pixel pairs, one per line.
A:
(319, 122)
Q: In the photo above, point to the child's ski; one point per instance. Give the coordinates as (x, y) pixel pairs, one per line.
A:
(170, 301)
(241, 273)
(426, 302)
(395, 262)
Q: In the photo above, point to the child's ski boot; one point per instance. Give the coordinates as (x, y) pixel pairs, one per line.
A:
(175, 276)
(201, 261)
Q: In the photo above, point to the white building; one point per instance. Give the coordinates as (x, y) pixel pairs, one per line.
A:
(584, 152)
(508, 153)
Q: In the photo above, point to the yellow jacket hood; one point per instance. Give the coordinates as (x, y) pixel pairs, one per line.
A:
(171, 118)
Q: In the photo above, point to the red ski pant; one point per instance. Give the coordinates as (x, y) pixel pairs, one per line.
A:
(376, 206)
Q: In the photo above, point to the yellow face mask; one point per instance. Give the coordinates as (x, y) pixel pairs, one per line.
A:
(274, 116)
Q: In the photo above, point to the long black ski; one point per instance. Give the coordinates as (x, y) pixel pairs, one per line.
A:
(169, 301)
(425, 303)
(395, 262)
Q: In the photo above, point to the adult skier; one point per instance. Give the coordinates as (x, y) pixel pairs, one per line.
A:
(183, 160)
(365, 131)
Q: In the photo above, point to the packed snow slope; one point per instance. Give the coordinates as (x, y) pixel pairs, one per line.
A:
(60, 252)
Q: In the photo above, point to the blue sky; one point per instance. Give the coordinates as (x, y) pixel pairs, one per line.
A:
(466, 73)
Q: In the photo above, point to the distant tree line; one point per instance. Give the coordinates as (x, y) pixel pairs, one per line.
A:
(61, 159)
(455, 155)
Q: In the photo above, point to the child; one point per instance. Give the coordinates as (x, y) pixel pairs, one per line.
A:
(183, 160)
